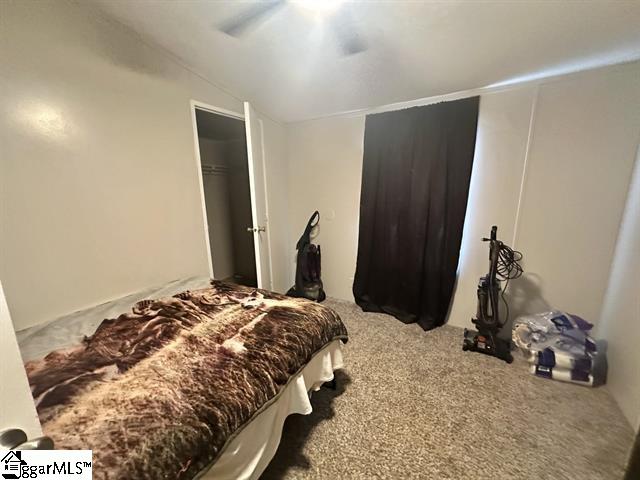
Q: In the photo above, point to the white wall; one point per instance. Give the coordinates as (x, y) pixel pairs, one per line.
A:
(494, 193)
(325, 169)
(216, 192)
(100, 193)
(583, 147)
(582, 141)
(579, 154)
(277, 177)
(620, 320)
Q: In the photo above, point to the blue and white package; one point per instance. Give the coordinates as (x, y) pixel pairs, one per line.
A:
(570, 360)
(558, 346)
(563, 375)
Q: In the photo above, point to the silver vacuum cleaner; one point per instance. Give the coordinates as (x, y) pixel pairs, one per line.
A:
(503, 265)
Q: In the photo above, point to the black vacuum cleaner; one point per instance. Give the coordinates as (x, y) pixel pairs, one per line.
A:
(308, 282)
(503, 265)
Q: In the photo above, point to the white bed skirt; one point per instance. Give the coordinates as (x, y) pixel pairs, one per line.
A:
(249, 453)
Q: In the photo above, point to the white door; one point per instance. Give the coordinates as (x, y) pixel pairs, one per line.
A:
(259, 206)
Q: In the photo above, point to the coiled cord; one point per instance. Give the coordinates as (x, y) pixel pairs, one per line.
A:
(508, 268)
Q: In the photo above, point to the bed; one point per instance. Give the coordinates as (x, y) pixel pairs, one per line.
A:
(194, 384)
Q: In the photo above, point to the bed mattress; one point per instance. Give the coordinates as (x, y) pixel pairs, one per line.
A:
(167, 390)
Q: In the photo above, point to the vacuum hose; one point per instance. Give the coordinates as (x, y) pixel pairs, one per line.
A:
(507, 268)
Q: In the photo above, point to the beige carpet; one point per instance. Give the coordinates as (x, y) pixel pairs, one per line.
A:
(412, 404)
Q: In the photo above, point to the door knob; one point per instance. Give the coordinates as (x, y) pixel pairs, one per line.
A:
(16, 439)
(251, 229)
(12, 438)
(256, 229)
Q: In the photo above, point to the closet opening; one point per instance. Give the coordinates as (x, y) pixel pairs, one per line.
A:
(222, 144)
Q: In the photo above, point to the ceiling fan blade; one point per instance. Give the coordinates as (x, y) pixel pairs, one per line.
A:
(353, 44)
(239, 24)
(349, 39)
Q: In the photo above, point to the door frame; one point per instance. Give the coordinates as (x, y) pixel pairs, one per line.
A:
(258, 253)
(197, 105)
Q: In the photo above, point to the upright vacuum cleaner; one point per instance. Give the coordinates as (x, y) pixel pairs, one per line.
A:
(503, 265)
(308, 283)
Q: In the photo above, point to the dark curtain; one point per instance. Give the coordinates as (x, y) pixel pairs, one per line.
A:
(415, 183)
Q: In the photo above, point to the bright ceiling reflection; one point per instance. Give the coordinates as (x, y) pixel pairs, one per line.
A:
(594, 61)
(46, 120)
(318, 7)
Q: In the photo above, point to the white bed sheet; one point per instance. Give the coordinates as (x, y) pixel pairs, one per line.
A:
(248, 453)
(68, 330)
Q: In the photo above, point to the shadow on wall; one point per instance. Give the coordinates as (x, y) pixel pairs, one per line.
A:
(524, 296)
(298, 428)
(123, 51)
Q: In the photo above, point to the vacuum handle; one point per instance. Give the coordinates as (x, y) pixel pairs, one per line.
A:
(494, 235)
(311, 224)
(315, 218)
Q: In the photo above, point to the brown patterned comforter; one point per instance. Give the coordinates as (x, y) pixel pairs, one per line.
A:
(157, 393)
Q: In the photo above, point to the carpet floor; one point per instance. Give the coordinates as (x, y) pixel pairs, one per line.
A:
(412, 404)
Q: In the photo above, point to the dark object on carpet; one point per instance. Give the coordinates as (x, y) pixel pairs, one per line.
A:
(415, 183)
(503, 263)
(633, 467)
(332, 384)
(308, 266)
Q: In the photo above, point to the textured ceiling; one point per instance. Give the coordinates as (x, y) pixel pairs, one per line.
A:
(290, 65)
